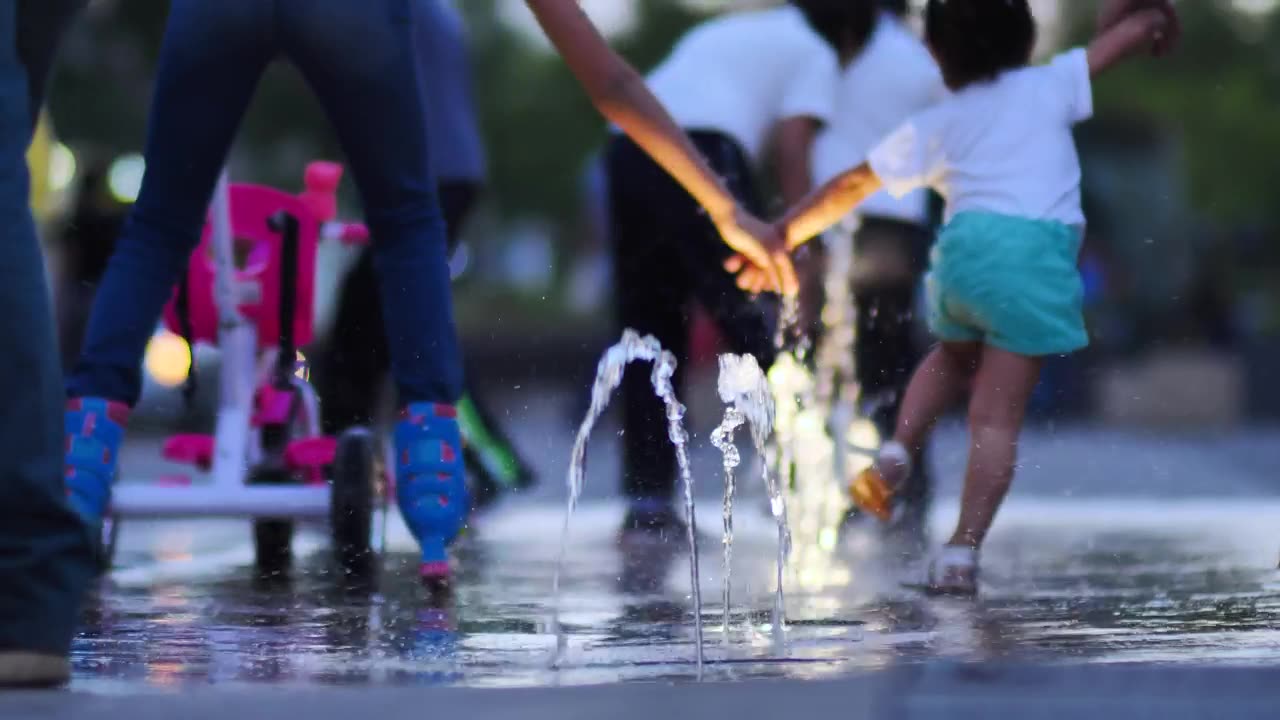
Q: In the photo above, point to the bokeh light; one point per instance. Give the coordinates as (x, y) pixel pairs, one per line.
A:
(168, 359)
(62, 167)
(125, 177)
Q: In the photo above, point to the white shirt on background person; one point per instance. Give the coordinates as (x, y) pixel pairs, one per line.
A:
(893, 78)
(742, 73)
(1003, 146)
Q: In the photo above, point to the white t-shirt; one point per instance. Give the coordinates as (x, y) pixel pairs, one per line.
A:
(892, 79)
(742, 73)
(1003, 147)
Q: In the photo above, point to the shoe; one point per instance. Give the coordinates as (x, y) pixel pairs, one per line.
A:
(954, 572)
(431, 484)
(490, 452)
(19, 669)
(94, 429)
(873, 489)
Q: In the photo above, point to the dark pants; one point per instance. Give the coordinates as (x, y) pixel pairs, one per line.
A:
(886, 350)
(357, 358)
(358, 57)
(83, 250)
(41, 24)
(666, 254)
(46, 561)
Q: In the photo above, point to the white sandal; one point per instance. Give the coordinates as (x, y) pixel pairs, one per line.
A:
(954, 572)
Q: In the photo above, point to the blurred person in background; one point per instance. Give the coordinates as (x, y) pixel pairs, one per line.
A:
(736, 83)
(893, 78)
(46, 561)
(357, 358)
(360, 60)
(83, 248)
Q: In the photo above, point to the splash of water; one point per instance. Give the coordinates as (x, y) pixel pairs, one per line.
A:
(816, 411)
(744, 387)
(807, 454)
(609, 374)
(837, 383)
(832, 404)
(722, 439)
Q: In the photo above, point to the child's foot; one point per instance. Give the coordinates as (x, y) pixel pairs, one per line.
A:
(873, 489)
(94, 431)
(954, 572)
(431, 486)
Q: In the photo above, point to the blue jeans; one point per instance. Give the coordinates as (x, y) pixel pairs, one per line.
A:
(358, 57)
(46, 561)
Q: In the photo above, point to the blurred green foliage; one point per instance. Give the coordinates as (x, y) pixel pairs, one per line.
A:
(539, 126)
(1182, 161)
(1215, 105)
(1221, 92)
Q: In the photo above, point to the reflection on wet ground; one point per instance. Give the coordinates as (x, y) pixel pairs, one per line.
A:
(1066, 581)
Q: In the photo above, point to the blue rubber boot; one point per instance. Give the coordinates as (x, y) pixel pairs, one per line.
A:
(94, 430)
(431, 484)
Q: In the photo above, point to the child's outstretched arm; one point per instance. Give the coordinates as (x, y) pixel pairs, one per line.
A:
(1112, 12)
(1146, 24)
(809, 218)
(620, 94)
(828, 205)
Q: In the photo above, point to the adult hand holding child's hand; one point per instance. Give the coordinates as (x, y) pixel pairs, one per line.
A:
(762, 263)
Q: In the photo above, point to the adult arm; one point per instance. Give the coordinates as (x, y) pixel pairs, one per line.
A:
(620, 94)
(795, 137)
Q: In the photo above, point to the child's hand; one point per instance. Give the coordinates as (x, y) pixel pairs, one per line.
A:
(751, 278)
(755, 280)
(1153, 28)
(762, 263)
(1168, 37)
(1149, 26)
(1114, 12)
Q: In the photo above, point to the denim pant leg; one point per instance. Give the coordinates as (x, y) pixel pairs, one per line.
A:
(212, 57)
(45, 557)
(359, 58)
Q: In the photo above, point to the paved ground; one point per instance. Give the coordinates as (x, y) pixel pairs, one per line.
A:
(1116, 550)
(944, 691)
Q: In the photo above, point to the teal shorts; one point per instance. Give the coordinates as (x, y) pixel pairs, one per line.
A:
(1008, 282)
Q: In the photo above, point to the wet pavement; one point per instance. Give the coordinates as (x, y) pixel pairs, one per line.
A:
(1078, 582)
(1115, 548)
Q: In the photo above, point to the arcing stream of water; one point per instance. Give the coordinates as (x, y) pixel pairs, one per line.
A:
(745, 390)
(815, 410)
(722, 439)
(609, 373)
(789, 405)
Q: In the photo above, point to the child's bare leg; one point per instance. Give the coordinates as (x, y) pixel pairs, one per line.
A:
(939, 382)
(1001, 390)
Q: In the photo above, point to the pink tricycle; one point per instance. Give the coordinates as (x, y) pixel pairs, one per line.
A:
(250, 291)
